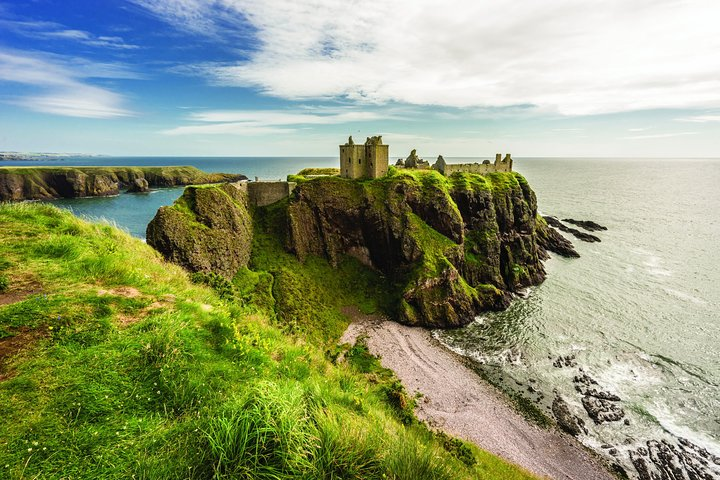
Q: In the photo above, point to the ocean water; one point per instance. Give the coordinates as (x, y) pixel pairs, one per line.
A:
(639, 311)
(133, 212)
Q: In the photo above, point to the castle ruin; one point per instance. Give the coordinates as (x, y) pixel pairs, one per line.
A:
(370, 160)
(364, 161)
(500, 165)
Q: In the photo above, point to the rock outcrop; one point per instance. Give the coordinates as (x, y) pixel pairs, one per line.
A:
(208, 229)
(139, 185)
(452, 246)
(40, 183)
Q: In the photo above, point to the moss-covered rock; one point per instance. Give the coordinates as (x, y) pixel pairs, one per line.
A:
(208, 229)
(452, 246)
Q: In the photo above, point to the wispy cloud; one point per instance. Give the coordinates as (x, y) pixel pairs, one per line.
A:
(57, 31)
(660, 135)
(700, 119)
(61, 89)
(263, 122)
(576, 58)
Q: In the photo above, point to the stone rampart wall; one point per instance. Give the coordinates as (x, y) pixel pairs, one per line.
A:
(265, 193)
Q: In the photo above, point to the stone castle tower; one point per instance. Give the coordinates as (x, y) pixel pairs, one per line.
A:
(364, 161)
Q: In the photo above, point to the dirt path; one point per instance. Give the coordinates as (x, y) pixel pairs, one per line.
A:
(456, 400)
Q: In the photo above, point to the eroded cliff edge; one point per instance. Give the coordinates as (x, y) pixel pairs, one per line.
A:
(40, 183)
(447, 247)
(450, 246)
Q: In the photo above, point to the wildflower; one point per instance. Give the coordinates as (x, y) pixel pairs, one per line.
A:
(29, 449)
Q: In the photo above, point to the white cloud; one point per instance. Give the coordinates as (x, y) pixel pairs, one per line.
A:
(660, 135)
(700, 119)
(575, 57)
(61, 88)
(56, 31)
(264, 122)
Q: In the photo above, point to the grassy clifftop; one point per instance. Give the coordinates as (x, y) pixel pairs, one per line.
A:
(114, 364)
(35, 183)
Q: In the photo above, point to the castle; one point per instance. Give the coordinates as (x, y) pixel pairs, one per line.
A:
(364, 161)
(370, 160)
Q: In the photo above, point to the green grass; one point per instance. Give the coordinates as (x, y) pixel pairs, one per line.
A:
(132, 370)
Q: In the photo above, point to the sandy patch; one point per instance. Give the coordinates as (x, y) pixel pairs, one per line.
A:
(459, 402)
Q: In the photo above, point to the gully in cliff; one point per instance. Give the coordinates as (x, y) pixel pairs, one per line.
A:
(451, 240)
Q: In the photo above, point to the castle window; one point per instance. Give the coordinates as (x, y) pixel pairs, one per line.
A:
(359, 161)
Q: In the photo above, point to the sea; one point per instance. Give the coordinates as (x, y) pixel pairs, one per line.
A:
(639, 311)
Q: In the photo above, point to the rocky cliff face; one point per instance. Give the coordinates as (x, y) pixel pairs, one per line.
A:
(38, 183)
(208, 229)
(452, 246)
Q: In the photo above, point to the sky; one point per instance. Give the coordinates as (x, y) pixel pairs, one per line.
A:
(568, 78)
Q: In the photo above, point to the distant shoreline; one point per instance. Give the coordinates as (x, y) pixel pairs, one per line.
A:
(29, 157)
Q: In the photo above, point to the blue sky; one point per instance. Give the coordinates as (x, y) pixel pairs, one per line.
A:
(281, 77)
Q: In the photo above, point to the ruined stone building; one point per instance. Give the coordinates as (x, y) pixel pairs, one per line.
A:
(500, 165)
(364, 161)
(370, 160)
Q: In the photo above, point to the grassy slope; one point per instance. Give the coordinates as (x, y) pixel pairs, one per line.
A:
(130, 369)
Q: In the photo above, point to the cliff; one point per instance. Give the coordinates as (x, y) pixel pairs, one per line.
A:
(39, 183)
(450, 246)
(208, 229)
(446, 247)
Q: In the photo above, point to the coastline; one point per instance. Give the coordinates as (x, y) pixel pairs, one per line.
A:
(456, 400)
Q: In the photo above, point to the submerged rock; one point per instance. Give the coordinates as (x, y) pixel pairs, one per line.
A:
(565, 419)
(585, 237)
(665, 460)
(552, 241)
(601, 406)
(588, 225)
(602, 410)
(208, 229)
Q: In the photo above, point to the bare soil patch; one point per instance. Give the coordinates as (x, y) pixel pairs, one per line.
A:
(20, 289)
(11, 346)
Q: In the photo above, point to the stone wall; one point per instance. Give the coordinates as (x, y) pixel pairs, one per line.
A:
(481, 168)
(500, 165)
(265, 193)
